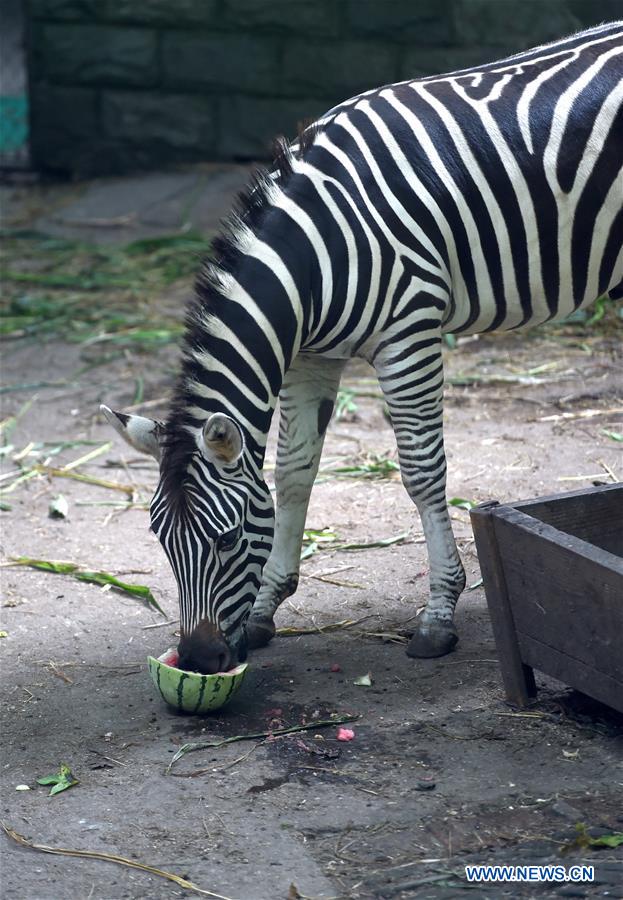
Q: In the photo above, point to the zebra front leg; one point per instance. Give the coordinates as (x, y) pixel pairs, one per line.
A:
(306, 402)
(413, 389)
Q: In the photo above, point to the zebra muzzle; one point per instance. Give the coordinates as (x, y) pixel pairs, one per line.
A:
(205, 650)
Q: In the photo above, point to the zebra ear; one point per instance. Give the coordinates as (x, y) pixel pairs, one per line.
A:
(141, 433)
(222, 439)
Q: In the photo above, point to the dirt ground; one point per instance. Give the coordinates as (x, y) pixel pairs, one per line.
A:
(441, 773)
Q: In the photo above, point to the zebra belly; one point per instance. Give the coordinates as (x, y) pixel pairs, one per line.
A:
(581, 279)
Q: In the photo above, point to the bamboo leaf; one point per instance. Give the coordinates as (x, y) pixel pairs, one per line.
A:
(101, 578)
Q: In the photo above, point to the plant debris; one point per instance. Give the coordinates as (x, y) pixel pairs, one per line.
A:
(293, 631)
(375, 466)
(206, 745)
(109, 857)
(313, 538)
(326, 538)
(345, 405)
(58, 508)
(461, 503)
(63, 780)
(49, 284)
(584, 841)
(101, 578)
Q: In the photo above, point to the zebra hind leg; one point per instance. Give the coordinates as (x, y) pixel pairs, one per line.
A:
(416, 407)
(306, 402)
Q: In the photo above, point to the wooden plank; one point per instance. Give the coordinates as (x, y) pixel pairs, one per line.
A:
(562, 591)
(571, 496)
(594, 515)
(518, 678)
(574, 672)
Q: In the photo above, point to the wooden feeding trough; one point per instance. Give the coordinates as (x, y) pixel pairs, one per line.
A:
(553, 575)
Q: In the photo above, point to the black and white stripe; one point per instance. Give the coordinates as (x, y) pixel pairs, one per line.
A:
(490, 198)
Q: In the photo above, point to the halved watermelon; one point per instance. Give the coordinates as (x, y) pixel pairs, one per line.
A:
(191, 691)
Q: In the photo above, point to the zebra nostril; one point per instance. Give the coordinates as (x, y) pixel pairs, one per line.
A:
(205, 650)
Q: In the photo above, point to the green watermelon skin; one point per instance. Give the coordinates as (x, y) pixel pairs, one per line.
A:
(191, 691)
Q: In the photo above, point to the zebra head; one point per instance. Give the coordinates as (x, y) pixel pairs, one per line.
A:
(213, 514)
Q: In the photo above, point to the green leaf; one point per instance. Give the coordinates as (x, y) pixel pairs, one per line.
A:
(363, 680)
(313, 537)
(59, 568)
(345, 403)
(608, 840)
(322, 536)
(614, 435)
(61, 786)
(101, 578)
(380, 467)
(585, 841)
(63, 780)
(460, 503)
(599, 311)
(134, 590)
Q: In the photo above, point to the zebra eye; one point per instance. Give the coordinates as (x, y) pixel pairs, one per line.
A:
(229, 539)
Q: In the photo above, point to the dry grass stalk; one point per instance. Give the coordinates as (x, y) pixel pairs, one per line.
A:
(320, 629)
(109, 857)
(583, 414)
(213, 745)
(87, 457)
(87, 479)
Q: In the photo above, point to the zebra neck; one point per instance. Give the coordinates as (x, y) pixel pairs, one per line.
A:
(244, 329)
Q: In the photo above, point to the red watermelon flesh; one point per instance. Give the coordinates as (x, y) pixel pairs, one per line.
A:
(171, 657)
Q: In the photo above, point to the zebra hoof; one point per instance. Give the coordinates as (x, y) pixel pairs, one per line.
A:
(435, 639)
(259, 633)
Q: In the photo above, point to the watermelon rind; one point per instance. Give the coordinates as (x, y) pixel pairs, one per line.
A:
(191, 691)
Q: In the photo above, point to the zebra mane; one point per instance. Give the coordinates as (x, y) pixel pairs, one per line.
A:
(237, 231)
(249, 209)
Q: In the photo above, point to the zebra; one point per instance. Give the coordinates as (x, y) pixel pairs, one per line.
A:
(490, 198)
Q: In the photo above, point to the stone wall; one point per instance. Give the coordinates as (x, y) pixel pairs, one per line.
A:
(125, 84)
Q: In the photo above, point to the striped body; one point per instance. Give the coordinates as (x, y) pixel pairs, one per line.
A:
(490, 198)
(496, 191)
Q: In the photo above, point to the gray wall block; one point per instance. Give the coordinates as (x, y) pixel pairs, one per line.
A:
(119, 84)
(95, 55)
(172, 121)
(238, 62)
